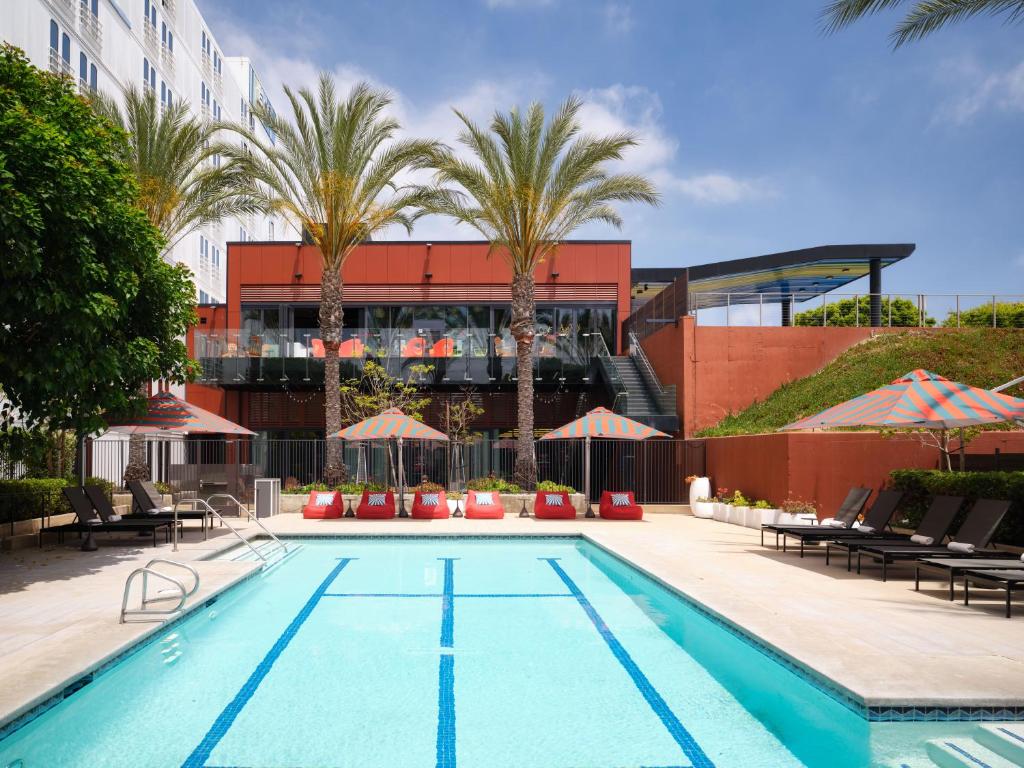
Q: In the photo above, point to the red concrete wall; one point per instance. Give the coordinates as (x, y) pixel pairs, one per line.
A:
(822, 466)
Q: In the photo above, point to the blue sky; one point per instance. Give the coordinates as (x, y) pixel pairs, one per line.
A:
(762, 134)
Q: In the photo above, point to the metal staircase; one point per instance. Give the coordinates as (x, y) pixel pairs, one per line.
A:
(639, 393)
(993, 745)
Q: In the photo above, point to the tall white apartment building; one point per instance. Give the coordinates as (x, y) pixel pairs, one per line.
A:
(166, 47)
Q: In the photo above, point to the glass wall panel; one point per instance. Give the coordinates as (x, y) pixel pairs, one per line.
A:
(479, 331)
(546, 338)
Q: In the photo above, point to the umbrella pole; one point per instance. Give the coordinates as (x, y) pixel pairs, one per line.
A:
(962, 451)
(586, 475)
(401, 483)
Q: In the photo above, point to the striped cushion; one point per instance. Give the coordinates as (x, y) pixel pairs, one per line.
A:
(553, 499)
(324, 500)
(376, 499)
(485, 499)
(430, 499)
(620, 500)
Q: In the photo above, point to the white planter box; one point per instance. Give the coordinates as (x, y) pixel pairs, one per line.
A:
(720, 513)
(769, 516)
(752, 517)
(699, 489)
(735, 514)
(703, 509)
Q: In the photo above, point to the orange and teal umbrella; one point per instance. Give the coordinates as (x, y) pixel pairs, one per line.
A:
(919, 400)
(170, 414)
(601, 422)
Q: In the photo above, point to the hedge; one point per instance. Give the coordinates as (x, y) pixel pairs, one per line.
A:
(31, 497)
(919, 485)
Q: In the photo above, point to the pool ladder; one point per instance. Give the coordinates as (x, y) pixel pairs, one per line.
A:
(263, 552)
(177, 589)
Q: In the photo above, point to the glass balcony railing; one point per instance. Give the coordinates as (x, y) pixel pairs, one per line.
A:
(470, 355)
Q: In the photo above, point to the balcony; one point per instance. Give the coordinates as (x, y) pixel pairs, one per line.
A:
(58, 65)
(240, 358)
(207, 64)
(90, 27)
(167, 58)
(169, 8)
(85, 89)
(66, 8)
(151, 38)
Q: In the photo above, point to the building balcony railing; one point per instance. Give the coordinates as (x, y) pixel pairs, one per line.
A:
(169, 8)
(443, 357)
(58, 65)
(151, 38)
(90, 26)
(167, 58)
(66, 8)
(85, 89)
(207, 64)
(887, 310)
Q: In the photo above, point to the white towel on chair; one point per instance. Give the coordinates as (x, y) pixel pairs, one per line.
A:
(865, 529)
(957, 546)
(831, 522)
(924, 541)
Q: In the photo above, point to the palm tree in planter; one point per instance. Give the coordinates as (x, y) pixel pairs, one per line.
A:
(334, 171)
(183, 185)
(531, 185)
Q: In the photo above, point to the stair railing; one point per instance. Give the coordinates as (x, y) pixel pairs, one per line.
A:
(646, 369)
(611, 373)
(179, 589)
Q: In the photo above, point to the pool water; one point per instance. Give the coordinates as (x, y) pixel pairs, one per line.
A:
(444, 652)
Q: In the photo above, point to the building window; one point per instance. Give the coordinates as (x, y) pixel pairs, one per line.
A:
(215, 259)
(92, 76)
(54, 36)
(270, 231)
(204, 297)
(83, 68)
(241, 234)
(65, 50)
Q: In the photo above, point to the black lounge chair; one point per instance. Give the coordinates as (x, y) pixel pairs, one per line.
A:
(89, 520)
(977, 530)
(848, 512)
(148, 504)
(953, 567)
(935, 524)
(106, 511)
(876, 519)
(1008, 580)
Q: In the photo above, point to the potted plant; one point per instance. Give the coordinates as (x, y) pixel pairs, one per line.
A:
(704, 507)
(700, 488)
(796, 511)
(722, 502)
(738, 510)
(767, 514)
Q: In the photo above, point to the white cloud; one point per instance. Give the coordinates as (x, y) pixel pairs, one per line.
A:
(618, 17)
(980, 90)
(634, 108)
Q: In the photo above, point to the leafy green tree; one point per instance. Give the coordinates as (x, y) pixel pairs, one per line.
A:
(89, 311)
(1007, 315)
(849, 312)
(531, 185)
(924, 16)
(335, 172)
(181, 188)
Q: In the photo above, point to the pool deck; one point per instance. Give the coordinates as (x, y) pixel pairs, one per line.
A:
(882, 642)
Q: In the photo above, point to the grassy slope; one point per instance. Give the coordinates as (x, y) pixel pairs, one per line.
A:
(982, 357)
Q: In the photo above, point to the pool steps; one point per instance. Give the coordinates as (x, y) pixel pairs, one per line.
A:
(990, 746)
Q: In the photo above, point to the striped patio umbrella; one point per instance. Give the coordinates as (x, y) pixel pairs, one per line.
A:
(392, 424)
(600, 423)
(920, 399)
(172, 415)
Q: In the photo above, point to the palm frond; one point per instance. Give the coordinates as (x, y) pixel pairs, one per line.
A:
(923, 18)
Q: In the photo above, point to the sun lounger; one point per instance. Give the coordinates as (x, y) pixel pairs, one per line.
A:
(977, 531)
(553, 505)
(484, 505)
(848, 513)
(98, 498)
(89, 520)
(376, 505)
(148, 504)
(954, 567)
(620, 506)
(935, 524)
(875, 520)
(429, 506)
(1008, 580)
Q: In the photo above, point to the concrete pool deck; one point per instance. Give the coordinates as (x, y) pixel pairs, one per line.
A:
(882, 642)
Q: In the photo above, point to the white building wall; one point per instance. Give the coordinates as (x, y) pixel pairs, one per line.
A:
(180, 58)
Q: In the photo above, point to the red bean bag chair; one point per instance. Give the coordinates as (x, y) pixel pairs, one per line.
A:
(424, 508)
(323, 505)
(620, 506)
(376, 505)
(553, 505)
(484, 505)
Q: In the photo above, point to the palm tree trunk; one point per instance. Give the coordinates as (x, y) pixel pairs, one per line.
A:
(331, 319)
(522, 327)
(137, 468)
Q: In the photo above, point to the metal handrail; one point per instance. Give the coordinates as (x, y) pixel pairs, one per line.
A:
(604, 358)
(177, 564)
(216, 514)
(252, 518)
(182, 594)
(638, 354)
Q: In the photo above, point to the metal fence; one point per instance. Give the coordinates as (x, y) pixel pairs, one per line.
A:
(653, 469)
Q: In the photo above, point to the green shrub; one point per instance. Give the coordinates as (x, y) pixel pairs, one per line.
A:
(493, 484)
(348, 488)
(552, 486)
(106, 485)
(920, 485)
(427, 488)
(31, 497)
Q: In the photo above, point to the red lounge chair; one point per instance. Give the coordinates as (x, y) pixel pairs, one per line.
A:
(368, 511)
(421, 511)
(415, 347)
(443, 348)
(553, 505)
(477, 511)
(323, 505)
(612, 511)
(354, 347)
(318, 347)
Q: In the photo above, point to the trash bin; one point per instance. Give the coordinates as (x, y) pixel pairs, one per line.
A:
(268, 496)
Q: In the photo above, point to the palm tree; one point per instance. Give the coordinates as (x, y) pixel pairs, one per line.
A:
(183, 185)
(531, 186)
(334, 171)
(925, 17)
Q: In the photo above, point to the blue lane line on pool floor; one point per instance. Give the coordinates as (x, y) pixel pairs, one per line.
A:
(661, 708)
(227, 717)
(446, 672)
(441, 594)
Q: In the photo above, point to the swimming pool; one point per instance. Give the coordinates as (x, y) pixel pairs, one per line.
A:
(454, 651)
